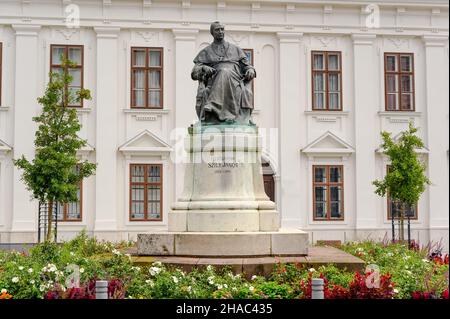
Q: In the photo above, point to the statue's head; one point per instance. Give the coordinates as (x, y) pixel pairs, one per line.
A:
(217, 30)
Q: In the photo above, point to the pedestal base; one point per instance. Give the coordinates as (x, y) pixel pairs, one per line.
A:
(285, 242)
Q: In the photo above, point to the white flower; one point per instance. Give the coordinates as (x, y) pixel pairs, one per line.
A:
(72, 253)
(234, 289)
(3, 291)
(189, 289)
(311, 270)
(251, 288)
(425, 260)
(225, 286)
(136, 268)
(395, 291)
(154, 270)
(254, 277)
(150, 282)
(211, 280)
(20, 267)
(30, 270)
(219, 287)
(42, 287)
(116, 252)
(175, 279)
(360, 249)
(15, 279)
(157, 263)
(32, 281)
(81, 270)
(209, 268)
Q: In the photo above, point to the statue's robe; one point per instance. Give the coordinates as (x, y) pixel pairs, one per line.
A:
(226, 94)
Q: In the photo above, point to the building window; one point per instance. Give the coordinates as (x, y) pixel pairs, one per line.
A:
(72, 212)
(75, 54)
(399, 81)
(147, 78)
(249, 54)
(328, 192)
(326, 81)
(394, 207)
(146, 192)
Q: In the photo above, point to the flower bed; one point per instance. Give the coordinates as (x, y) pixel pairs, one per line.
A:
(69, 271)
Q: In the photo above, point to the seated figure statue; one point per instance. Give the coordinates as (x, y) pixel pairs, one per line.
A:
(224, 74)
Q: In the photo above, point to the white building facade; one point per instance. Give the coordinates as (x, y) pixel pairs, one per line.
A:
(330, 77)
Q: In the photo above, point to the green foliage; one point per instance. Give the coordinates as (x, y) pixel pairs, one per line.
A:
(51, 176)
(411, 270)
(47, 266)
(406, 180)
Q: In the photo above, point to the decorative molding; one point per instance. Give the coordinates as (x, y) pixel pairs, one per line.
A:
(185, 6)
(256, 7)
(185, 34)
(326, 40)
(327, 113)
(435, 40)
(389, 114)
(26, 4)
(4, 148)
(290, 10)
(136, 112)
(145, 143)
(26, 29)
(106, 6)
(237, 38)
(146, 10)
(220, 11)
(107, 32)
(327, 12)
(289, 37)
(334, 146)
(363, 39)
(147, 35)
(68, 32)
(398, 19)
(399, 42)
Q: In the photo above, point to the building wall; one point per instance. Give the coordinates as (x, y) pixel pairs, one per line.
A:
(282, 35)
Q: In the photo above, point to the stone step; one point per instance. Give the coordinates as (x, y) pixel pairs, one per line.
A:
(286, 242)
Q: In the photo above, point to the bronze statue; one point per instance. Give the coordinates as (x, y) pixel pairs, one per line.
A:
(225, 75)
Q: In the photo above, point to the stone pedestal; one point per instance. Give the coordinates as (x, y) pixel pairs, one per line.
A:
(223, 185)
(223, 210)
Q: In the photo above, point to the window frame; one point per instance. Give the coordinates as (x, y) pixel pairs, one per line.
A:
(388, 201)
(66, 48)
(145, 184)
(326, 72)
(328, 184)
(66, 207)
(399, 74)
(147, 69)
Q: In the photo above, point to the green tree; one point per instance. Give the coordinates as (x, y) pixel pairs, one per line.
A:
(51, 175)
(405, 181)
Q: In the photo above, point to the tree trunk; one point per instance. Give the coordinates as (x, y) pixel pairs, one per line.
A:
(49, 221)
(402, 223)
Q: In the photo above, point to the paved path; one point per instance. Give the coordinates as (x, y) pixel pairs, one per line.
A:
(319, 255)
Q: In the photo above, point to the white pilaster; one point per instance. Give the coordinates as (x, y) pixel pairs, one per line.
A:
(289, 128)
(107, 109)
(436, 79)
(185, 92)
(366, 132)
(25, 107)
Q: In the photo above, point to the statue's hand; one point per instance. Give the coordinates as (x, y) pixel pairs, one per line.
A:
(208, 71)
(250, 75)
